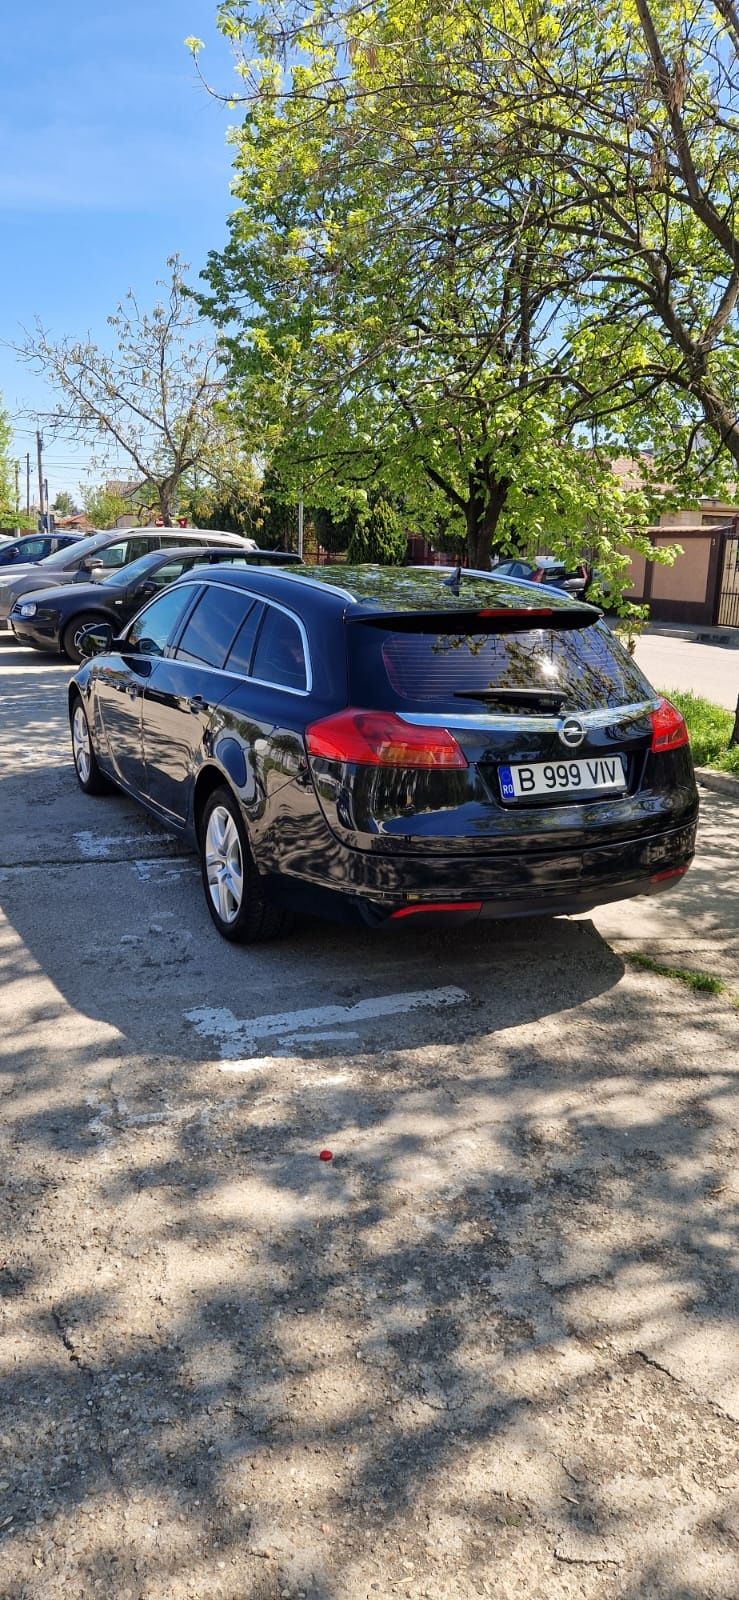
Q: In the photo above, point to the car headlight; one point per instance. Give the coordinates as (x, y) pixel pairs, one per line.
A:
(27, 609)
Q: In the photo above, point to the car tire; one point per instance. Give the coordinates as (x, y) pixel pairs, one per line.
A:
(233, 890)
(89, 775)
(70, 648)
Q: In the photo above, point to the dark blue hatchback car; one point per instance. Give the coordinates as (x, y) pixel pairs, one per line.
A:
(371, 744)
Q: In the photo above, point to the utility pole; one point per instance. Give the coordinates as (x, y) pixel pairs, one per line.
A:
(28, 482)
(300, 526)
(17, 490)
(48, 511)
(39, 448)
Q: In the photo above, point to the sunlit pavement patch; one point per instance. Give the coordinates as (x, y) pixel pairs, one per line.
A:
(238, 1039)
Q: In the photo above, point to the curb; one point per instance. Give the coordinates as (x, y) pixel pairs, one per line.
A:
(723, 782)
(724, 638)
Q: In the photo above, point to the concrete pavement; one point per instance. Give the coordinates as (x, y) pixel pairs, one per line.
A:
(489, 1349)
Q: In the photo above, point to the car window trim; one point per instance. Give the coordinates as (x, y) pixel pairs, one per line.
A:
(257, 632)
(243, 677)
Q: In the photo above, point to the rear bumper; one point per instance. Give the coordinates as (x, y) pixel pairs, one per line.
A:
(406, 892)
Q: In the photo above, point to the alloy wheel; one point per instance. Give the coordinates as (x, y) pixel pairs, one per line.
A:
(81, 745)
(224, 864)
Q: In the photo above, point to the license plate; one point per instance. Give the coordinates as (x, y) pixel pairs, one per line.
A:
(595, 775)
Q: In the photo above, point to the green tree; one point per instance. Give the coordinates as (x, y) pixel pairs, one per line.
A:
(618, 127)
(7, 487)
(637, 108)
(277, 516)
(379, 536)
(228, 497)
(103, 508)
(394, 307)
(64, 505)
(334, 530)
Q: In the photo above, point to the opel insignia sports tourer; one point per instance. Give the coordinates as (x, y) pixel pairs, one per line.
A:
(387, 746)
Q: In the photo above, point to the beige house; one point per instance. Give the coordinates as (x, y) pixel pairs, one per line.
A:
(703, 585)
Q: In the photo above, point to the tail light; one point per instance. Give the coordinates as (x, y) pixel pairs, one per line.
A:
(380, 739)
(669, 728)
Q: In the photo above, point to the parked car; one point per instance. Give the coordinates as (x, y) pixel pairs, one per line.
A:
(547, 570)
(33, 547)
(56, 619)
(365, 743)
(98, 553)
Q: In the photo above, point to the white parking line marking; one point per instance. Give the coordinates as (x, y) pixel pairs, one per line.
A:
(237, 1037)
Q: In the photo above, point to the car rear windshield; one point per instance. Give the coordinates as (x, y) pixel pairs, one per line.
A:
(441, 670)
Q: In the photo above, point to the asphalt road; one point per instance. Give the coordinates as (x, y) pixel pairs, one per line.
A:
(711, 670)
(489, 1349)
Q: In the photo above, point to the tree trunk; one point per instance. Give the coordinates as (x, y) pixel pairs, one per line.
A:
(164, 493)
(734, 740)
(720, 417)
(483, 513)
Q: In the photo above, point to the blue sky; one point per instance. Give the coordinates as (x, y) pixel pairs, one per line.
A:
(112, 157)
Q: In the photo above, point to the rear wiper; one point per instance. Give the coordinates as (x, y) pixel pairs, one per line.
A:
(552, 699)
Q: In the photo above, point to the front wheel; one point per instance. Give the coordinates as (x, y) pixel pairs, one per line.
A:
(233, 891)
(89, 776)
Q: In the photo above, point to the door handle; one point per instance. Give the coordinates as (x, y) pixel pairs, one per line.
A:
(196, 703)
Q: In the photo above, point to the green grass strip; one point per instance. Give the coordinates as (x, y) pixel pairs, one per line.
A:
(699, 982)
(710, 728)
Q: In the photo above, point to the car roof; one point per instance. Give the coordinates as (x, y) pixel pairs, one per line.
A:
(171, 552)
(371, 590)
(186, 536)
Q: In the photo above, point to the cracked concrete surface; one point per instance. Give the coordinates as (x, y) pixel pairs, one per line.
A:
(489, 1349)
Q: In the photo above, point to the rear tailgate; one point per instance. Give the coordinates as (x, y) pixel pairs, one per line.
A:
(543, 693)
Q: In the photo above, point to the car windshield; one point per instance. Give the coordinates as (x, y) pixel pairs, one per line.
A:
(134, 569)
(76, 551)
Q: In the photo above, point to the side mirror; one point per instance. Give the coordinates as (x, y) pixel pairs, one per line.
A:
(147, 589)
(92, 565)
(95, 640)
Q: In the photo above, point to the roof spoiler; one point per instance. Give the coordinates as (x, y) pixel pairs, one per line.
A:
(483, 619)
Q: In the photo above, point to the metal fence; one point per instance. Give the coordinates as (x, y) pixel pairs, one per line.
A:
(728, 597)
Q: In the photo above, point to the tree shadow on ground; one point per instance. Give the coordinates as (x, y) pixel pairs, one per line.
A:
(485, 1349)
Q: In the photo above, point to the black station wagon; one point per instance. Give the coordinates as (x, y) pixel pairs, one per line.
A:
(386, 746)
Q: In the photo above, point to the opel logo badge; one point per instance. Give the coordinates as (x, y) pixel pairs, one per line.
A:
(572, 733)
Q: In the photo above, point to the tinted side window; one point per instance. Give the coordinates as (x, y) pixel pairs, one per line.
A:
(151, 629)
(141, 546)
(33, 549)
(211, 628)
(164, 575)
(114, 555)
(280, 657)
(242, 649)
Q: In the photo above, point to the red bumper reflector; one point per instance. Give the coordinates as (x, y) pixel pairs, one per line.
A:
(439, 905)
(670, 872)
(669, 728)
